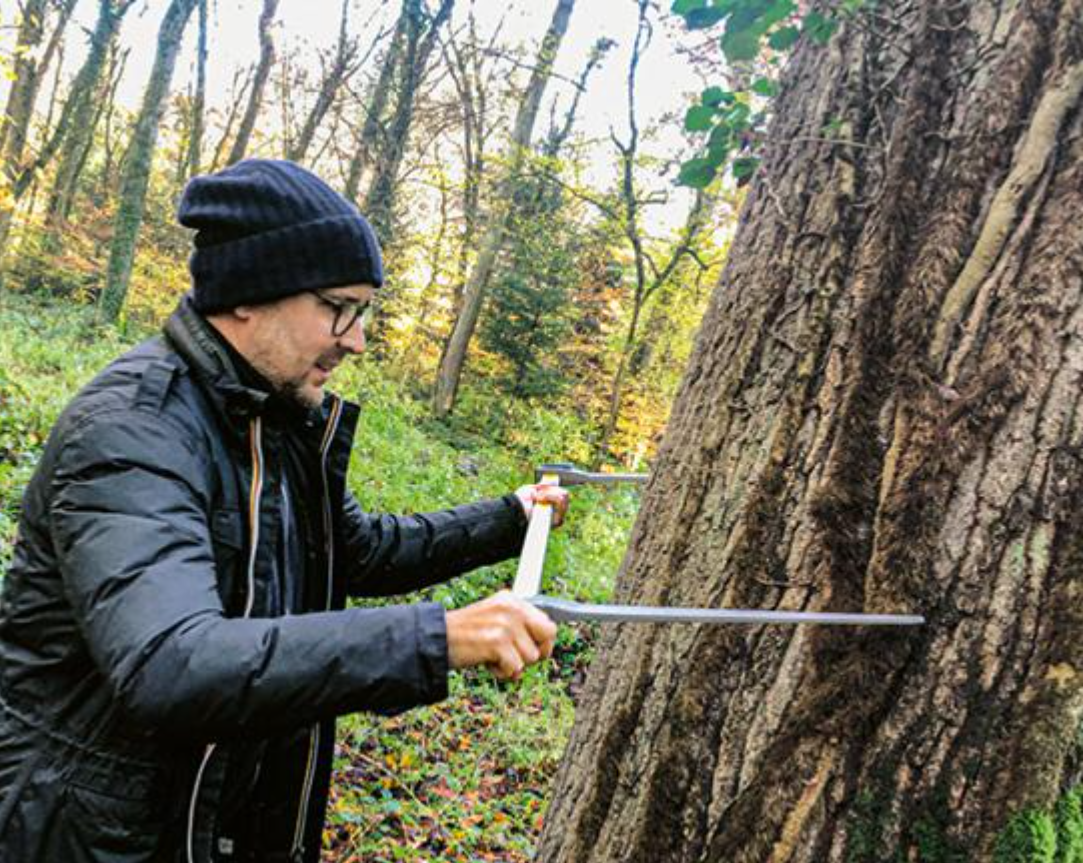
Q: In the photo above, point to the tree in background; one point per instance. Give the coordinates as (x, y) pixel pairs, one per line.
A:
(137, 166)
(26, 76)
(259, 82)
(881, 412)
(75, 130)
(529, 311)
(191, 160)
(413, 62)
(343, 65)
(454, 357)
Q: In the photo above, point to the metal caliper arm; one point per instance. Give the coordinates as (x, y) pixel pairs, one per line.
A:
(528, 579)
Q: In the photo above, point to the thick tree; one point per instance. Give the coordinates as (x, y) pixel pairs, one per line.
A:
(454, 356)
(882, 412)
(137, 164)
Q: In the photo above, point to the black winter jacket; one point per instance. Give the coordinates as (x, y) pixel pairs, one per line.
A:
(140, 666)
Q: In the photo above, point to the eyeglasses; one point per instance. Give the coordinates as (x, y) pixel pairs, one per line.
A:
(347, 313)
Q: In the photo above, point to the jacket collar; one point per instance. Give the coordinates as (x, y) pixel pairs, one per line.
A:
(189, 334)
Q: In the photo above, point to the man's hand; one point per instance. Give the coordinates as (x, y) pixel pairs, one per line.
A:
(501, 632)
(553, 495)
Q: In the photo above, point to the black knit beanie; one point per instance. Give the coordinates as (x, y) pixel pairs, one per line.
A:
(267, 229)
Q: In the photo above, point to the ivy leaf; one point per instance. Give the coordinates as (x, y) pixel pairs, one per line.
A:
(778, 11)
(699, 118)
(701, 19)
(714, 96)
(745, 167)
(765, 87)
(697, 173)
(741, 45)
(737, 117)
(783, 38)
(718, 143)
(819, 27)
(683, 7)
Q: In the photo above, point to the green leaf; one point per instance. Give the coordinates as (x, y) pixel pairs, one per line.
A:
(697, 173)
(783, 38)
(741, 45)
(699, 118)
(778, 11)
(683, 7)
(745, 167)
(701, 19)
(737, 117)
(714, 96)
(765, 87)
(819, 27)
(718, 144)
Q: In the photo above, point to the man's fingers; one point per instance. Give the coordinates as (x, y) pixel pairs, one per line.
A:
(542, 630)
(503, 633)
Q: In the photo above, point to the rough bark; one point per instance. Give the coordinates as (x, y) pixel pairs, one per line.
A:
(884, 411)
(137, 164)
(454, 356)
(259, 82)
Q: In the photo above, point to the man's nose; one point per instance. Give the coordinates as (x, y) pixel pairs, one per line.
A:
(353, 340)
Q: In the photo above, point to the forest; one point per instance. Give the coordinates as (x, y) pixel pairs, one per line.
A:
(817, 267)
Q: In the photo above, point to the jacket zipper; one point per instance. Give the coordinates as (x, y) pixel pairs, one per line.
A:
(314, 734)
(255, 438)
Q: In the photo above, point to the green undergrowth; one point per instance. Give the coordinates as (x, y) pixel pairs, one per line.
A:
(1045, 837)
(463, 780)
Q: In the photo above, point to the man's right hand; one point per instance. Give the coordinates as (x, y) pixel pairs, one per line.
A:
(502, 632)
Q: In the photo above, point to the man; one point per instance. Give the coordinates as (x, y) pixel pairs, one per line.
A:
(174, 645)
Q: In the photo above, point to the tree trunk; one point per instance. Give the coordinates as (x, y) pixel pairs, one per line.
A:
(194, 155)
(882, 413)
(75, 130)
(28, 74)
(345, 52)
(454, 358)
(371, 128)
(263, 72)
(137, 163)
(379, 203)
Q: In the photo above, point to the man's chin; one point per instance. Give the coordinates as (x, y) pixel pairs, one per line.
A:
(304, 395)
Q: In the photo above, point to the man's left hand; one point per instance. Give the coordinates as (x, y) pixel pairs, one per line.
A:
(553, 495)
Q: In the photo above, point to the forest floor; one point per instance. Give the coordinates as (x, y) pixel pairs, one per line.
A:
(463, 780)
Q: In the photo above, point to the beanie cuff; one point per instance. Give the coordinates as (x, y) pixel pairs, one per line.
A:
(268, 266)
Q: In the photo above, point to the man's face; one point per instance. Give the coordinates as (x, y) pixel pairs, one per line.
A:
(293, 342)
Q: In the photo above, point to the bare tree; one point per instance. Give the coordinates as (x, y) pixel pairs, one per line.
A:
(454, 358)
(29, 72)
(259, 82)
(191, 161)
(137, 164)
(376, 105)
(335, 74)
(420, 39)
(75, 131)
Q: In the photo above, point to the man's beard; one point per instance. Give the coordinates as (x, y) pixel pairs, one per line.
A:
(294, 395)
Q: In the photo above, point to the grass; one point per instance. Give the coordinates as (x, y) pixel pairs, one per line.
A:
(467, 779)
